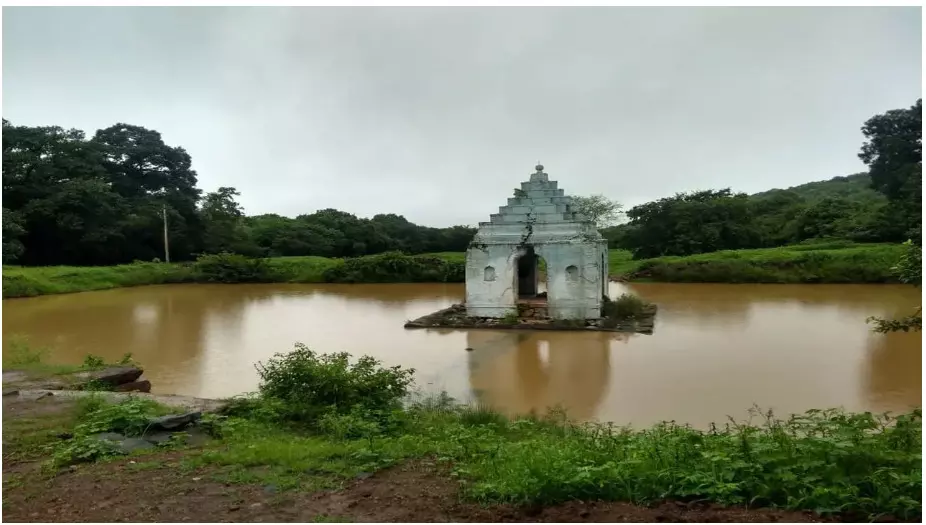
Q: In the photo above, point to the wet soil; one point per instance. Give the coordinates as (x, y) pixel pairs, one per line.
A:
(115, 492)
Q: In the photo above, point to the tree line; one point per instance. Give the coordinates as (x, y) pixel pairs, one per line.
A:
(69, 199)
(883, 205)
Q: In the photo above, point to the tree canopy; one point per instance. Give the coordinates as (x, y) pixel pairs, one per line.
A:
(78, 201)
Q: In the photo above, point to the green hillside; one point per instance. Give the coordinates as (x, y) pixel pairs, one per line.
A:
(853, 187)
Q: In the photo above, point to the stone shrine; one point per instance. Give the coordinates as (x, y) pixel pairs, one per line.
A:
(502, 262)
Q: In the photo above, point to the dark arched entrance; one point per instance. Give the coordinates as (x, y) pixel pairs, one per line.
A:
(528, 273)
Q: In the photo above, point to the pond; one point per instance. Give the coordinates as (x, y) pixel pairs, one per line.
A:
(717, 349)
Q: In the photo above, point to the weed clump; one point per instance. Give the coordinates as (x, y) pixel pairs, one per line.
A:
(511, 317)
(305, 385)
(627, 306)
(94, 415)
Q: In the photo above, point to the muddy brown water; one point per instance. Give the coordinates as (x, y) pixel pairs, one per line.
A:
(717, 350)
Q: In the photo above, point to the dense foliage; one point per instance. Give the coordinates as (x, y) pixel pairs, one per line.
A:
(306, 386)
(883, 205)
(395, 267)
(70, 200)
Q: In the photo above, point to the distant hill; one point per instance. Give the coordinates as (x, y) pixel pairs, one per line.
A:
(855, 187)
(843, 208)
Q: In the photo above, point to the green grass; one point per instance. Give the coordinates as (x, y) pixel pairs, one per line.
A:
(829, 262)
(21, 281)
(32, 437)
(301, 269)
(19, 355)
(810, 263)
(858, 466)
(831, 462)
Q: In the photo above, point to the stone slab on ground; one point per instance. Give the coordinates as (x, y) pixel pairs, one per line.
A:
(135, 386)
(108, 378)
(112, 376)
(196, 404)
(174, 421)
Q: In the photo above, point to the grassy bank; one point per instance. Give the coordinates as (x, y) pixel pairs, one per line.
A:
(837, 262)
(19, 281)
(352, 421)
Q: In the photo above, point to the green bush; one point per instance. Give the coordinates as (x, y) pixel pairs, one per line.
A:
(230, 268)
(856, 465)
(627, 306)
(129, 417)
(396, 267)
(308, 385)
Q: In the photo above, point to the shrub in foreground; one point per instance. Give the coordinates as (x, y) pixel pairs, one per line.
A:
(306, 385)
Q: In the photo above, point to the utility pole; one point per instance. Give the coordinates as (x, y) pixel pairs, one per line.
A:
(166, 247)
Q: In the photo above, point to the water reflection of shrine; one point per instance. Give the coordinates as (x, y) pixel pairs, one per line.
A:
(520, 372)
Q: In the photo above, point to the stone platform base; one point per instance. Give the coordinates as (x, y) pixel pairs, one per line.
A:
(455, 317)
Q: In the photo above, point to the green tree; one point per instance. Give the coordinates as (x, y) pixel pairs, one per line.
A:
(56, 183)
(151, 175)
(223, 222)
(893, 151)
(689, 223)
(599, 209)
(12, 230)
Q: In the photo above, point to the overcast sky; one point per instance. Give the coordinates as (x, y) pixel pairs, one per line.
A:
(438, 113)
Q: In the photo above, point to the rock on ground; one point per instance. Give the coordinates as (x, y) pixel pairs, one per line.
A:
(112, 376)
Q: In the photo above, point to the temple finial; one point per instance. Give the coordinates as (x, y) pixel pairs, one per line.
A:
(539, 167)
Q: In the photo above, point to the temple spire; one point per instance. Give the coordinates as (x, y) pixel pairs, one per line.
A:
(539, 175)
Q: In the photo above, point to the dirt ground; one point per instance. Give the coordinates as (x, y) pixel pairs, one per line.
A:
(115, 492)
(155, 488)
